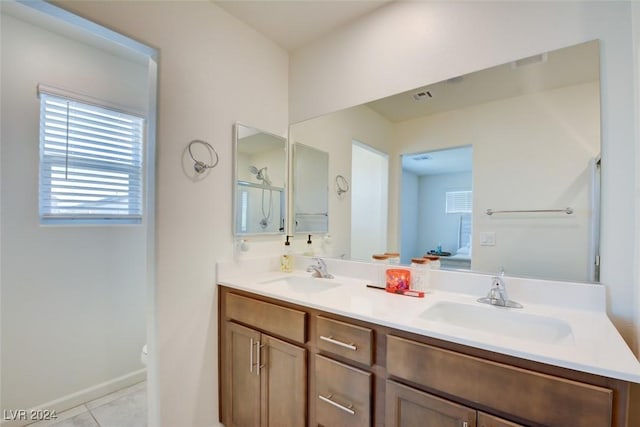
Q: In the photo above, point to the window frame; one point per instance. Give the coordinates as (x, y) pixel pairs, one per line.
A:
(137, 166)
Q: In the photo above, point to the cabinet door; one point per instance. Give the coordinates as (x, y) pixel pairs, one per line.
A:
(407, 407)
(284, 383)
(486, 420)
(243, 384)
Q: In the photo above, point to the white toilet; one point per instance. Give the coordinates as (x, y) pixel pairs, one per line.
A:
(144, 354)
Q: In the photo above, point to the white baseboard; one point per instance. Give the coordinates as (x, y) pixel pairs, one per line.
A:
(78, 398)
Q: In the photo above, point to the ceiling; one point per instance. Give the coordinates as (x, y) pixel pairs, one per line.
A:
(294, 23)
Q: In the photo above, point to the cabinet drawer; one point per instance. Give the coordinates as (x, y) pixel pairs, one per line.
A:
(281, 321)
(406, 406)
(344, 339)
(486, 420)
(343, 394)
(539, 398)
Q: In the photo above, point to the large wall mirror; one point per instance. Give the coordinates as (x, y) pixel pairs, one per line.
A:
(259, 176)
(310, 189)
(520, 139)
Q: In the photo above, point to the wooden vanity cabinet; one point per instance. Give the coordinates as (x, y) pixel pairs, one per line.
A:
(264, 380)
(363, 374)
(538, 398)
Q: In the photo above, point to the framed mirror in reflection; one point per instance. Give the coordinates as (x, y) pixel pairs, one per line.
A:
(310, 189)
(260, 164)
(531, 128)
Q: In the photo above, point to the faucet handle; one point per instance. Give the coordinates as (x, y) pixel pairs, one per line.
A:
(498, 289)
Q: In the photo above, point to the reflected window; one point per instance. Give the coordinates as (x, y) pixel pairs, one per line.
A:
(458, 202)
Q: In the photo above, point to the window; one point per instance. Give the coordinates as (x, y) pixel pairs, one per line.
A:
(459, 201)
(90, 163)
(244, 202)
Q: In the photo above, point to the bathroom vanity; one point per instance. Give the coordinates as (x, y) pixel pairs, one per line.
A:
(333, 352)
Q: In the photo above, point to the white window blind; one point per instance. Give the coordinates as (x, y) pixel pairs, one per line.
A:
(90, 162)
(459, 201)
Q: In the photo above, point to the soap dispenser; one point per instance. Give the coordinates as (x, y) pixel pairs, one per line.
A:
(309, 251)
(286, 259)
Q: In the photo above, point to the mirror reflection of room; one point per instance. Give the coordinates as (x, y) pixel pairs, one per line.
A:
(311, 189)
(260, 182)
(534, 125)
(437, 205)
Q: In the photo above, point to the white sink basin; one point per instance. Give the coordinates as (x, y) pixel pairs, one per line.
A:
(500, 321)
(303, 285)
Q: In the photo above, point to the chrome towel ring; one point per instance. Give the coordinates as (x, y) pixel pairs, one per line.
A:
(342, 185)
(200, 166)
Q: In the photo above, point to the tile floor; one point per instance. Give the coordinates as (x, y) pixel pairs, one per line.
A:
(123, 408)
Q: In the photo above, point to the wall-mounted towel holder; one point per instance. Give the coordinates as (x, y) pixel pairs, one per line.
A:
(568, 211)
(200, 166)
(342, 185)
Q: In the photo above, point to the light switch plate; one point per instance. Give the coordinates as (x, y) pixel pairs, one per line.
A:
(488, 238)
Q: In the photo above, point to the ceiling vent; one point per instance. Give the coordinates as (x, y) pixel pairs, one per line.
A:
(422, 95)
(535, 59)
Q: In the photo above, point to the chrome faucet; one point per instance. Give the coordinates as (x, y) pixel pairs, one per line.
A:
(497, 294)
(319, 269)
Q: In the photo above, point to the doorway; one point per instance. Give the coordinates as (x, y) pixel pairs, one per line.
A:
(369, 201)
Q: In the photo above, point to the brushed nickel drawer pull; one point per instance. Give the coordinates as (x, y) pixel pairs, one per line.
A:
(330, 339)
(336, 404)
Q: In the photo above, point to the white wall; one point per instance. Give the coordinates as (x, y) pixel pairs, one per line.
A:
(213, 71)
(409, 44)
(73, 297)
(529, 152)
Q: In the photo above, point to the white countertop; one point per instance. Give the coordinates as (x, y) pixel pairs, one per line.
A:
(594, 345)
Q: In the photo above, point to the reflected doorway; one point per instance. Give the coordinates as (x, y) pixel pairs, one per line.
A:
(369, 199)
(436, 206)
